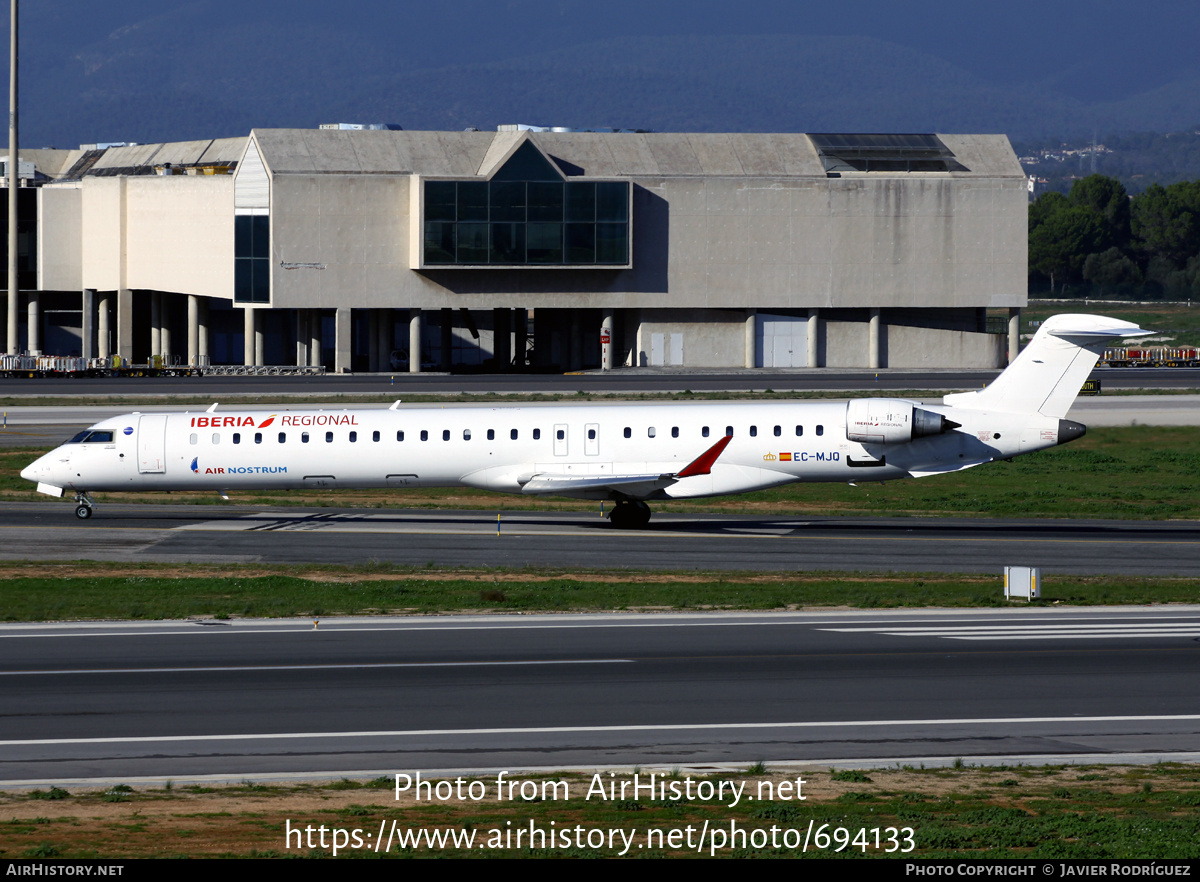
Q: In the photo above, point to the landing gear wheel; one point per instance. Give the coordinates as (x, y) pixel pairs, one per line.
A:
(83, 511)
(630, 515)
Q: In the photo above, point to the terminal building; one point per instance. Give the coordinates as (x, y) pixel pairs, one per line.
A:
(383, 250)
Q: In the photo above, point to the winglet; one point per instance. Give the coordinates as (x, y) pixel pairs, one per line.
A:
(703, 463)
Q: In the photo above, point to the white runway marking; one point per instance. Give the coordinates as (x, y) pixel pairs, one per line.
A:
(1039, 632)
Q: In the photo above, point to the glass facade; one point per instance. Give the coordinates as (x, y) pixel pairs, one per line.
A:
(526, 223)
(252, 258)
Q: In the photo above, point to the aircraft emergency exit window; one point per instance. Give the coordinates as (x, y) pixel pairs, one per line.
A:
(304, 437)
(560, 434)
(651, 432)
(628, 432)
(820, 430)
(537, 434)
(258, 437)
(400, 435)
(374, 436)
(329, 437)
(704, 432)
(193, 438)
(237, 437)
(283, 437)
(424, 435)
(216, 437)
(491, 434)
(674, 431)
(778, 431)
(513, 434)
(466, 434)
(754, 431)
(445, 434)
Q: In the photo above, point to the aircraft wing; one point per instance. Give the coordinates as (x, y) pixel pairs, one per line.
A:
(548, 483)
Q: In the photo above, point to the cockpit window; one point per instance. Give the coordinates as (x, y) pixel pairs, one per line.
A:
(90, 437)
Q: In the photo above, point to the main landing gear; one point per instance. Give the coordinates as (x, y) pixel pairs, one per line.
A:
(629, 515)
(83, 505)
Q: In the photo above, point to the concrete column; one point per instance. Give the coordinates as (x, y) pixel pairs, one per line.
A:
(202, 332)
(751, 339)
(607, 343)
(414, 341)
(1014, 333)
(34, 327)
(343, 340)
(575, 343)
(315, 327)
(300, 337)
(193, 330)
(502, 338)
(164, 313)
(259, 343)
(873, 340)
(447, 329)
(125, 324)
(103, 337)
(87, 329)
(248, 336)
(14, 307)
(520, 337)
(155, 324)
(814, 338)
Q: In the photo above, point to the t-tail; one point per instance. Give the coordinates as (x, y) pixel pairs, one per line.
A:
(1048, 374)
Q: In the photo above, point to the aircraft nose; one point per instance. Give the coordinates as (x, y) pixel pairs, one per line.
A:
(32, 471)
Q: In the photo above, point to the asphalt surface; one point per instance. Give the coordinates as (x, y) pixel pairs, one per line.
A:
(170, 534)
(382, 695)
(621, 381)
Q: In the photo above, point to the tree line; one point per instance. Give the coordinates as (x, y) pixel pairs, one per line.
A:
(1098, 241)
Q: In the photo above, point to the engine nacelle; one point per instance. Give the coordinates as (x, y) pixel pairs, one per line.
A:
(892, 421)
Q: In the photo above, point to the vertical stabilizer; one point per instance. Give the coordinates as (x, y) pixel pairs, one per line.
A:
(1049, 372)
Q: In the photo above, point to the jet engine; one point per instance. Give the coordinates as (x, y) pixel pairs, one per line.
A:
(892, 421)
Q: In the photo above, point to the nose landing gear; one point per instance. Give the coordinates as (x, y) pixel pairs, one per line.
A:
(83, 505)
(628, 515)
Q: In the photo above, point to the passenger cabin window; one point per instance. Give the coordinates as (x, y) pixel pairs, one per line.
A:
(237, 437)
(778, 431)
(537, 434)
(754, 431)
(424, 435)
(560, 434)
(258, 437)
(491, 434)
(353, 437)
(628, 432)
(591, 434)
(374, 436)
(445, 434)
(466, 434)
(799, 431)
(513, 434)
(193, 438)
(304, 437)
(400, 435)
(704, 432)
(216, 437)
(820, 430)
(283, 437)
(651, 432)
(674, 431)
(729, 430)
(329, 437)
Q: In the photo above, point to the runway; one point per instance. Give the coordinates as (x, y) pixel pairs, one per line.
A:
(374, 696)
(156, 533)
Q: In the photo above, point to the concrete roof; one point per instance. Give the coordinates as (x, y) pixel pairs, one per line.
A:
(617, 154)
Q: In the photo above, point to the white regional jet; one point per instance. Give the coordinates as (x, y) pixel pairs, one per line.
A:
(627, 453)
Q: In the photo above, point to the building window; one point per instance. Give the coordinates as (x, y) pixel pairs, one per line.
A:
(252, 258)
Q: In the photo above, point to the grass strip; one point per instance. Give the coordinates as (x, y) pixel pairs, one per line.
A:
(57, 592)
(1043, 812)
